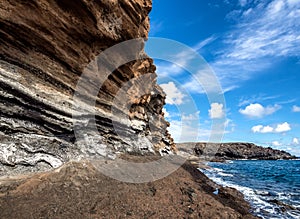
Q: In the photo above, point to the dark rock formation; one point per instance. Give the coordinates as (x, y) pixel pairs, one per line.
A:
(233, 151)
(45, 47)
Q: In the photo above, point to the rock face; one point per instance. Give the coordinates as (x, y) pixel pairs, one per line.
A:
(45, 47)
(233, 151)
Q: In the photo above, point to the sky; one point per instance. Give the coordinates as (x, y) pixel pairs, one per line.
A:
(252, 49)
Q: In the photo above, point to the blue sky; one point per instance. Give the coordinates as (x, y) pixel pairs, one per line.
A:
(253, 49)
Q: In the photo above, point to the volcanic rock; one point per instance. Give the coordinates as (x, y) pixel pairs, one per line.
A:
(233, 151)
(78, 190)
(46, 46)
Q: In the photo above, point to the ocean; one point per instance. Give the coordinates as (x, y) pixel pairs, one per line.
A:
(271, 187)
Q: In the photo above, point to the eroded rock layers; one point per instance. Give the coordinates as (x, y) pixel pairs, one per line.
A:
(46, 45)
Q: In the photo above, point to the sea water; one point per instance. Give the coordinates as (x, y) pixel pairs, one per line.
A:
(271, 187)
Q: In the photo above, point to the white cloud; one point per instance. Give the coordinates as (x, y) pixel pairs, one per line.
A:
(293, 2)
(273, 31)
(201, 78)
(216, 111)
(256, 110)
(188, 131)
(296, 109)
(166, 113)
(295, 141)
(262, 129)
(205, 42)
(187, 128)
(256, 98)
(205, 81)
(263, 33)
(243, 2)
(229, 125)
(182, 59)
(256, 128)
(276, 143)
(279, 128)
(267, 129)
(155, 27)
(191, 117)
(174, 95)
(284, 127)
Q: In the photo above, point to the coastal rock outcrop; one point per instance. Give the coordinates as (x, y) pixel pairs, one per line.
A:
(45, 48)
(233, 151)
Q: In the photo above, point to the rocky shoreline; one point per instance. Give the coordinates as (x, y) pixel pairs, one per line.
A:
(220, 152)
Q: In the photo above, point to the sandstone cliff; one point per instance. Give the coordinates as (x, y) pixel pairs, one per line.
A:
(45, 47)
(233, 151)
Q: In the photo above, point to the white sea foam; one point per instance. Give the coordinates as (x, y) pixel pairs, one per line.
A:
(218, 169)
(225, 174)
(253, 196)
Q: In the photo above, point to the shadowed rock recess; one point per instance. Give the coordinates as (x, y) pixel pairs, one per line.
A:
(45, 46)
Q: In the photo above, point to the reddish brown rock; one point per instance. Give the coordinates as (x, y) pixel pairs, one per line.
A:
(45, 47)
(78, 190)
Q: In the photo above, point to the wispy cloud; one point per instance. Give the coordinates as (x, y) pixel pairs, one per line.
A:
(155, 27)
(265, 30)
(296, 109)
(204, 81)
(204, 43)
(181, 60)
(256, 98)
(270, 30)
(199, 77)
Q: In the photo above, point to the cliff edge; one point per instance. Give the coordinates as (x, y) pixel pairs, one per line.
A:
(45, 47)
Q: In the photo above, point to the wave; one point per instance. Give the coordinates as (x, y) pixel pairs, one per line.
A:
(258, 198)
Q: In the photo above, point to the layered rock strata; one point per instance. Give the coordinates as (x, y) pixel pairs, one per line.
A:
(46, 46)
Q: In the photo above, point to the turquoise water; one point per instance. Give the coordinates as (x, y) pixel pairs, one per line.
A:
(267, 185)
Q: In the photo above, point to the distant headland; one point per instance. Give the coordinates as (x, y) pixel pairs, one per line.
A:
(233, 151)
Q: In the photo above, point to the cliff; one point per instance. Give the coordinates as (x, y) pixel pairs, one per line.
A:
(233, 151)
(46, 46)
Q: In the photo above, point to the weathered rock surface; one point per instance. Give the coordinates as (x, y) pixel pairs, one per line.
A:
(78, 190)
(233, 151)
(45, 47)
